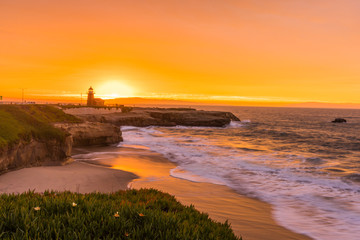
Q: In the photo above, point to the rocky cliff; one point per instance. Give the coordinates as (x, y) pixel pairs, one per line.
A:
(91, 133)
(31, 136)
(35, 153)
(143, 117)
(57, 151)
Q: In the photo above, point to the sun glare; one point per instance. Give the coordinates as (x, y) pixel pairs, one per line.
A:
(114, 89)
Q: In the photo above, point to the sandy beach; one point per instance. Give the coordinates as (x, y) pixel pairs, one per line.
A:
(118, 168)
(76, 177)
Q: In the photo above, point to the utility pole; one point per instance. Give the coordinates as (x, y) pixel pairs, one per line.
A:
(23, 95)
(81, 101)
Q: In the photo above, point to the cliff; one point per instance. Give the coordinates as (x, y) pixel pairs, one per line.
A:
(143, 117)
(27, 137)
(35, 153)
(34, 135)
(91, 133)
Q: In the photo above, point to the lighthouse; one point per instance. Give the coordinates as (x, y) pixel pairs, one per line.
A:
(92, 101)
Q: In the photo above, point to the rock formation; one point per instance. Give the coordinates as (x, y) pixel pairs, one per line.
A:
(143, 117)
(339, 120)
(91, 133)
(35, 153)
(50, 146)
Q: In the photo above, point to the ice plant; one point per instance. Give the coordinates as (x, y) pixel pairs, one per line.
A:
(102, 216)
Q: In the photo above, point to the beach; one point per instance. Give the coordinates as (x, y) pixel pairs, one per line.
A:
(137, 167)
(76, 177)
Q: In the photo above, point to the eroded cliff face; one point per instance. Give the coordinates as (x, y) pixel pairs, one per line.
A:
(30, 136)
(35, 153)
(101, 129)
(92, 133)
(57, 152)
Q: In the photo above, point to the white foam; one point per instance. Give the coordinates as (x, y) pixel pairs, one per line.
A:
(235, 124)
(128, 128)
(246, 121)
(181, 173)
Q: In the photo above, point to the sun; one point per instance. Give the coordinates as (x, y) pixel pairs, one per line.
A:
(114, 89)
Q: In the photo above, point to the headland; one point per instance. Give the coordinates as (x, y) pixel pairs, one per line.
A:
(139, 167)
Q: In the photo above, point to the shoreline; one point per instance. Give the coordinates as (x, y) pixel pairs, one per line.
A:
(249, 217)
(137, 167)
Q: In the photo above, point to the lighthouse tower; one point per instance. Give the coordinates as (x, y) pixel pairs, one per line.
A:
(90, 99)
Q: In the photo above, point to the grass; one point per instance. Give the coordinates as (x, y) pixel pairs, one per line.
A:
(131, 214)
(31, 121)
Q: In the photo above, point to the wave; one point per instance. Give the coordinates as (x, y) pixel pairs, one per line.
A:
(306, 201)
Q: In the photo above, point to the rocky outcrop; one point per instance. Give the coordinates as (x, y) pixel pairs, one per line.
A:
(91, 133)
(143, 117)
(98, 129)
(33, 138)
(339, 120)
(57, 152)
(195, 118)
(35, 153)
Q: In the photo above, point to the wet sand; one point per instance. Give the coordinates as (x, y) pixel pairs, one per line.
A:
(249, 218)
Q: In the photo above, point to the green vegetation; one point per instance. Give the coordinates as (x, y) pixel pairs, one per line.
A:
(132, 214)
(31, 121)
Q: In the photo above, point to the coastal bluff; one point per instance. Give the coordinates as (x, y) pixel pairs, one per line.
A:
(36, 135)
(91, 133)
(34, 152)
(28, 138)
(144, 117)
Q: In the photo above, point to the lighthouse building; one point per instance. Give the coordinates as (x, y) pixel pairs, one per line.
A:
(92, 101)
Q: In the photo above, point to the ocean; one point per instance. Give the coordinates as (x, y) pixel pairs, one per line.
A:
(305, 166)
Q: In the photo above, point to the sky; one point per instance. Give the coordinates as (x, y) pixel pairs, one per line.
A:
(209, 50)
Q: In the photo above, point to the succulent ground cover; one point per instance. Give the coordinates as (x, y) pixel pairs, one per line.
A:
(131, 214)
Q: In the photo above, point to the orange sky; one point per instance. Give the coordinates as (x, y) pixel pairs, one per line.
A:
(260, 50)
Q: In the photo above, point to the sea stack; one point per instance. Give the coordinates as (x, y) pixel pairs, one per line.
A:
(339, 120)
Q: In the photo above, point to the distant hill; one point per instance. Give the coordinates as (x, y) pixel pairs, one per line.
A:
(160, 102)
(325, 105)
(149, 101)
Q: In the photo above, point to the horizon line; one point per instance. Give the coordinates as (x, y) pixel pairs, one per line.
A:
(172, 101)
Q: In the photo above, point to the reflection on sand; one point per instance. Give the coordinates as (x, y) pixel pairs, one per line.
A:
(248, 217)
